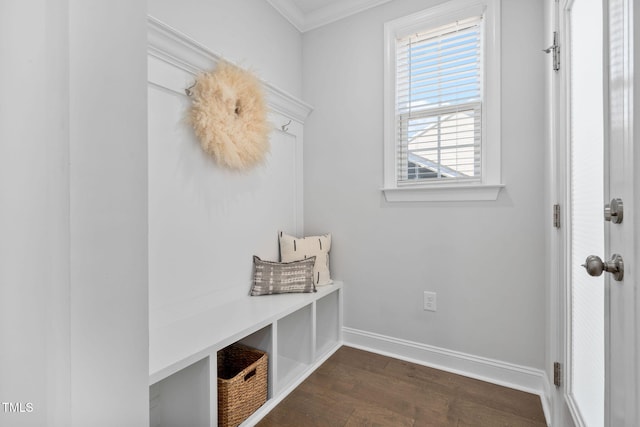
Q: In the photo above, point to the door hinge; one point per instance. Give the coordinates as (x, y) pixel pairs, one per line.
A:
(554, 49)
(557, 374)
(556, 216)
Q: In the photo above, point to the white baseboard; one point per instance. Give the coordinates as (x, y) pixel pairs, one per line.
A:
(518, 377)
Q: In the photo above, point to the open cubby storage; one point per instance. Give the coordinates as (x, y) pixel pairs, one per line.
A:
(294, 351)
(328, 326)
(297, 331)
(242, 383)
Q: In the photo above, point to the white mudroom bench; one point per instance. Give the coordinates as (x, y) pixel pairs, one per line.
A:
(298, 331)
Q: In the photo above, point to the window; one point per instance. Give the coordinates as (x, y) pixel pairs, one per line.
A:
(442, 103)
(439, 103)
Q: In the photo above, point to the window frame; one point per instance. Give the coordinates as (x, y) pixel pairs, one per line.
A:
(489, 185)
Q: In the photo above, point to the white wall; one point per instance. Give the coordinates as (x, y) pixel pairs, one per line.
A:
(34, 224)
(108, 208)
(206, 222)
(250, 33)
(73, 266)
(485, 260)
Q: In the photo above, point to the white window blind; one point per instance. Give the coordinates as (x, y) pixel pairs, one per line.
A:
(439, 103)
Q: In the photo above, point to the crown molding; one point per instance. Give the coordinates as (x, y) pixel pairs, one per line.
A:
(291, 12)
(325, 15)
(179, 50)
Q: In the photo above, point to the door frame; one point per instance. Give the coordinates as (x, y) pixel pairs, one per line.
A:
(556, 190)
(559, 178)
(563, 408)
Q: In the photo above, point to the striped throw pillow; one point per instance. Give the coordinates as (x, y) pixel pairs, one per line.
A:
(294, 249)
(282, 277)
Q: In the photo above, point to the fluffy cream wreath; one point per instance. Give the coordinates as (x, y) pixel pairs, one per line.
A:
(229, 116)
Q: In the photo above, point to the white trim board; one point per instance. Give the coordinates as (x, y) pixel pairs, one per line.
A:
(517, 377)
(169, 45)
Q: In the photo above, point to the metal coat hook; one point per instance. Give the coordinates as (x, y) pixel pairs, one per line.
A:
(188, 90)
(285, 127)
(555, 50)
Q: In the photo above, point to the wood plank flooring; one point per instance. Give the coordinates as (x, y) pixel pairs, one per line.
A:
(358, 388)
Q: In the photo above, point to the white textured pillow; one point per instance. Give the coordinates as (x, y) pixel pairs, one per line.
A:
(293, 249)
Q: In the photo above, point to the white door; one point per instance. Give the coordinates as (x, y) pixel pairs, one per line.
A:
(585, 350)
(599, 313)
(623, 163)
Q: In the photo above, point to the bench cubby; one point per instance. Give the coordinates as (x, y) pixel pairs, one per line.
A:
(298, 331)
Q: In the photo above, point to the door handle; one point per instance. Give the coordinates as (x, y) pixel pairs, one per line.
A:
(614, 211)
(595, 266)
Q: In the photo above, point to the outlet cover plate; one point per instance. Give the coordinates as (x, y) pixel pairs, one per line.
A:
(430, 302)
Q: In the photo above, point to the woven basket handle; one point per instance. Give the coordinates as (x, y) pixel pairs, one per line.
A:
(250, 375)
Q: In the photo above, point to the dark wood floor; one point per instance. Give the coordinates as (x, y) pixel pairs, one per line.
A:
(358, 388)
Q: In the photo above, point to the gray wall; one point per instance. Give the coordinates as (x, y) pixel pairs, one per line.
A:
(485, 260)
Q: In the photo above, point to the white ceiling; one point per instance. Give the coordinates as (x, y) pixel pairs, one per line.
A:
(306, 15)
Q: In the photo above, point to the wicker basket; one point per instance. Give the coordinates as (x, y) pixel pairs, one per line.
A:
(242, 383)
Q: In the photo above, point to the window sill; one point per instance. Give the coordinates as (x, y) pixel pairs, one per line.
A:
(443, 193)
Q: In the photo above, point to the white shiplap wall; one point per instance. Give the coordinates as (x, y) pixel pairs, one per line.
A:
(206, 222)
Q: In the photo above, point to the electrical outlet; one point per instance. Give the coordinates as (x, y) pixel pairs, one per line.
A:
(430, 301)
